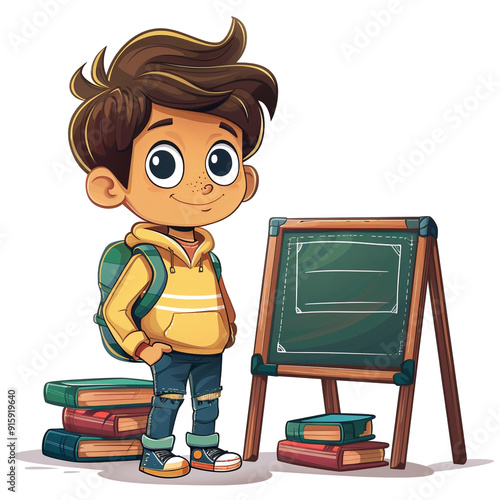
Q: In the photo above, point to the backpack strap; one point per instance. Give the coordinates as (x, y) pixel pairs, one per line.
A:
(158, 282)
(216, 264)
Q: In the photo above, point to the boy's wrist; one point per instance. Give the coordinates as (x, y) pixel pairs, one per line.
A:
(140, 349)
(133, 340)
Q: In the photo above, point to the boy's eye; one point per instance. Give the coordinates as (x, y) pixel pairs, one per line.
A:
(164, 165)
(222, 163)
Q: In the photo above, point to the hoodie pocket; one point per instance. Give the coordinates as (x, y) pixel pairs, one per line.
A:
(198, 331)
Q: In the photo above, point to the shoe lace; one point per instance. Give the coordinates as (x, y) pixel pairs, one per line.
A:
(163, 455)
(214, 453)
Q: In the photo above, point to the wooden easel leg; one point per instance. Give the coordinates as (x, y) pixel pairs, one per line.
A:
(402, 427)
(406, 392)
(255, 415)
(446, 363)
(330, 395)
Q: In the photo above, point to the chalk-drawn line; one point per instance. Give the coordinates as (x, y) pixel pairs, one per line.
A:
(353, 302)
(333, 352)
(346, 271)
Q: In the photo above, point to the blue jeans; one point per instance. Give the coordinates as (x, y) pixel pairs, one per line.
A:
(170, 375)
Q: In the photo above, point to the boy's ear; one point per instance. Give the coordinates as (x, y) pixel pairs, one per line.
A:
(104, 189)
(252, 179)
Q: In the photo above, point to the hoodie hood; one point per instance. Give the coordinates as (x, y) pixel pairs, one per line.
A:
(144, 232)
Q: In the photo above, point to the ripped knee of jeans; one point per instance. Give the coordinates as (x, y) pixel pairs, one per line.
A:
(171, 400)
(172, 395)
(209, 397)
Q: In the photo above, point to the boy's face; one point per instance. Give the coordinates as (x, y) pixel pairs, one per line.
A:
(186, 169)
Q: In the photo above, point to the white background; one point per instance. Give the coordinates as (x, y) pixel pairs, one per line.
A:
(360, 84)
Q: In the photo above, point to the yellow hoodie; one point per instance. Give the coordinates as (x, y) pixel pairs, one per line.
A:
(190, 316)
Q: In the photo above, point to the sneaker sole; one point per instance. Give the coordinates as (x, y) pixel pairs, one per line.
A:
(223, 467)
(166, 473)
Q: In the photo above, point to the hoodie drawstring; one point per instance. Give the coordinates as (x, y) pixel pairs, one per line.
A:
(172, 268)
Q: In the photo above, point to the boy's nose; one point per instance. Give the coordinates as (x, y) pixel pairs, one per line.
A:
(207, 188)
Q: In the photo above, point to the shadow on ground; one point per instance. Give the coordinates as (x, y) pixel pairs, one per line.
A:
(250, 472)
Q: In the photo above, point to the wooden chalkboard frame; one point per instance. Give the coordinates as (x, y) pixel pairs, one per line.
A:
(427, 271)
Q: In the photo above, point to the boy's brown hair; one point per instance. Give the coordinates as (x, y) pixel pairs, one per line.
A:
(170, 69)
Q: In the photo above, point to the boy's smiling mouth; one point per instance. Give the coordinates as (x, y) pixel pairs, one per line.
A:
(197, 204)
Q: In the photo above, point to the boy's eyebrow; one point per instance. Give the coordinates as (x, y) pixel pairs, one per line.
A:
(227, 127)
(161, 123)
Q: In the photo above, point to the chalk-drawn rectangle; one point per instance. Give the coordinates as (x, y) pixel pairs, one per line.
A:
(327, 283)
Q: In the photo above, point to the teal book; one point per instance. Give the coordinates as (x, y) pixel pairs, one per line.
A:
(73, 447)
(99, 393)
(331, 428)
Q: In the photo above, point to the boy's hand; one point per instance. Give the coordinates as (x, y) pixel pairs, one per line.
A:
(232, 335)
(152, 353)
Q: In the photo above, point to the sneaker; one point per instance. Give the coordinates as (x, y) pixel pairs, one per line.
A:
(214, 459)
(163, 463)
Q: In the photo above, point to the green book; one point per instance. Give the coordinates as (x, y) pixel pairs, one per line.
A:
(99, 393)
(331, 428)
(74, 447)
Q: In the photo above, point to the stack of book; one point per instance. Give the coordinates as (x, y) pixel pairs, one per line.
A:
(103, 419)
(334, 441)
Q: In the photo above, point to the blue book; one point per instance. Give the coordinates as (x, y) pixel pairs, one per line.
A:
(73, 447)
(331, 428)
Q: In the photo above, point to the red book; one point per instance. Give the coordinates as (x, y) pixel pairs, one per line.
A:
(350, 456)
(107, 423)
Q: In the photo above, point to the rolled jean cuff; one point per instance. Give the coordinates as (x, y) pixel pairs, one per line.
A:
(195, 440)
(166, 443)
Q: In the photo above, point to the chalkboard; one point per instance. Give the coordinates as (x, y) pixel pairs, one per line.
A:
(342, 297)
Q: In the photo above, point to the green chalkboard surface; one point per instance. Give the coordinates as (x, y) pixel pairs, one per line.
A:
(342, 297)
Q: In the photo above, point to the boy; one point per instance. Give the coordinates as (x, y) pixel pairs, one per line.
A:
(164, 132)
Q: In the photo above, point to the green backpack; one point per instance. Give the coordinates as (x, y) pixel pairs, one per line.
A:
(113, 261)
